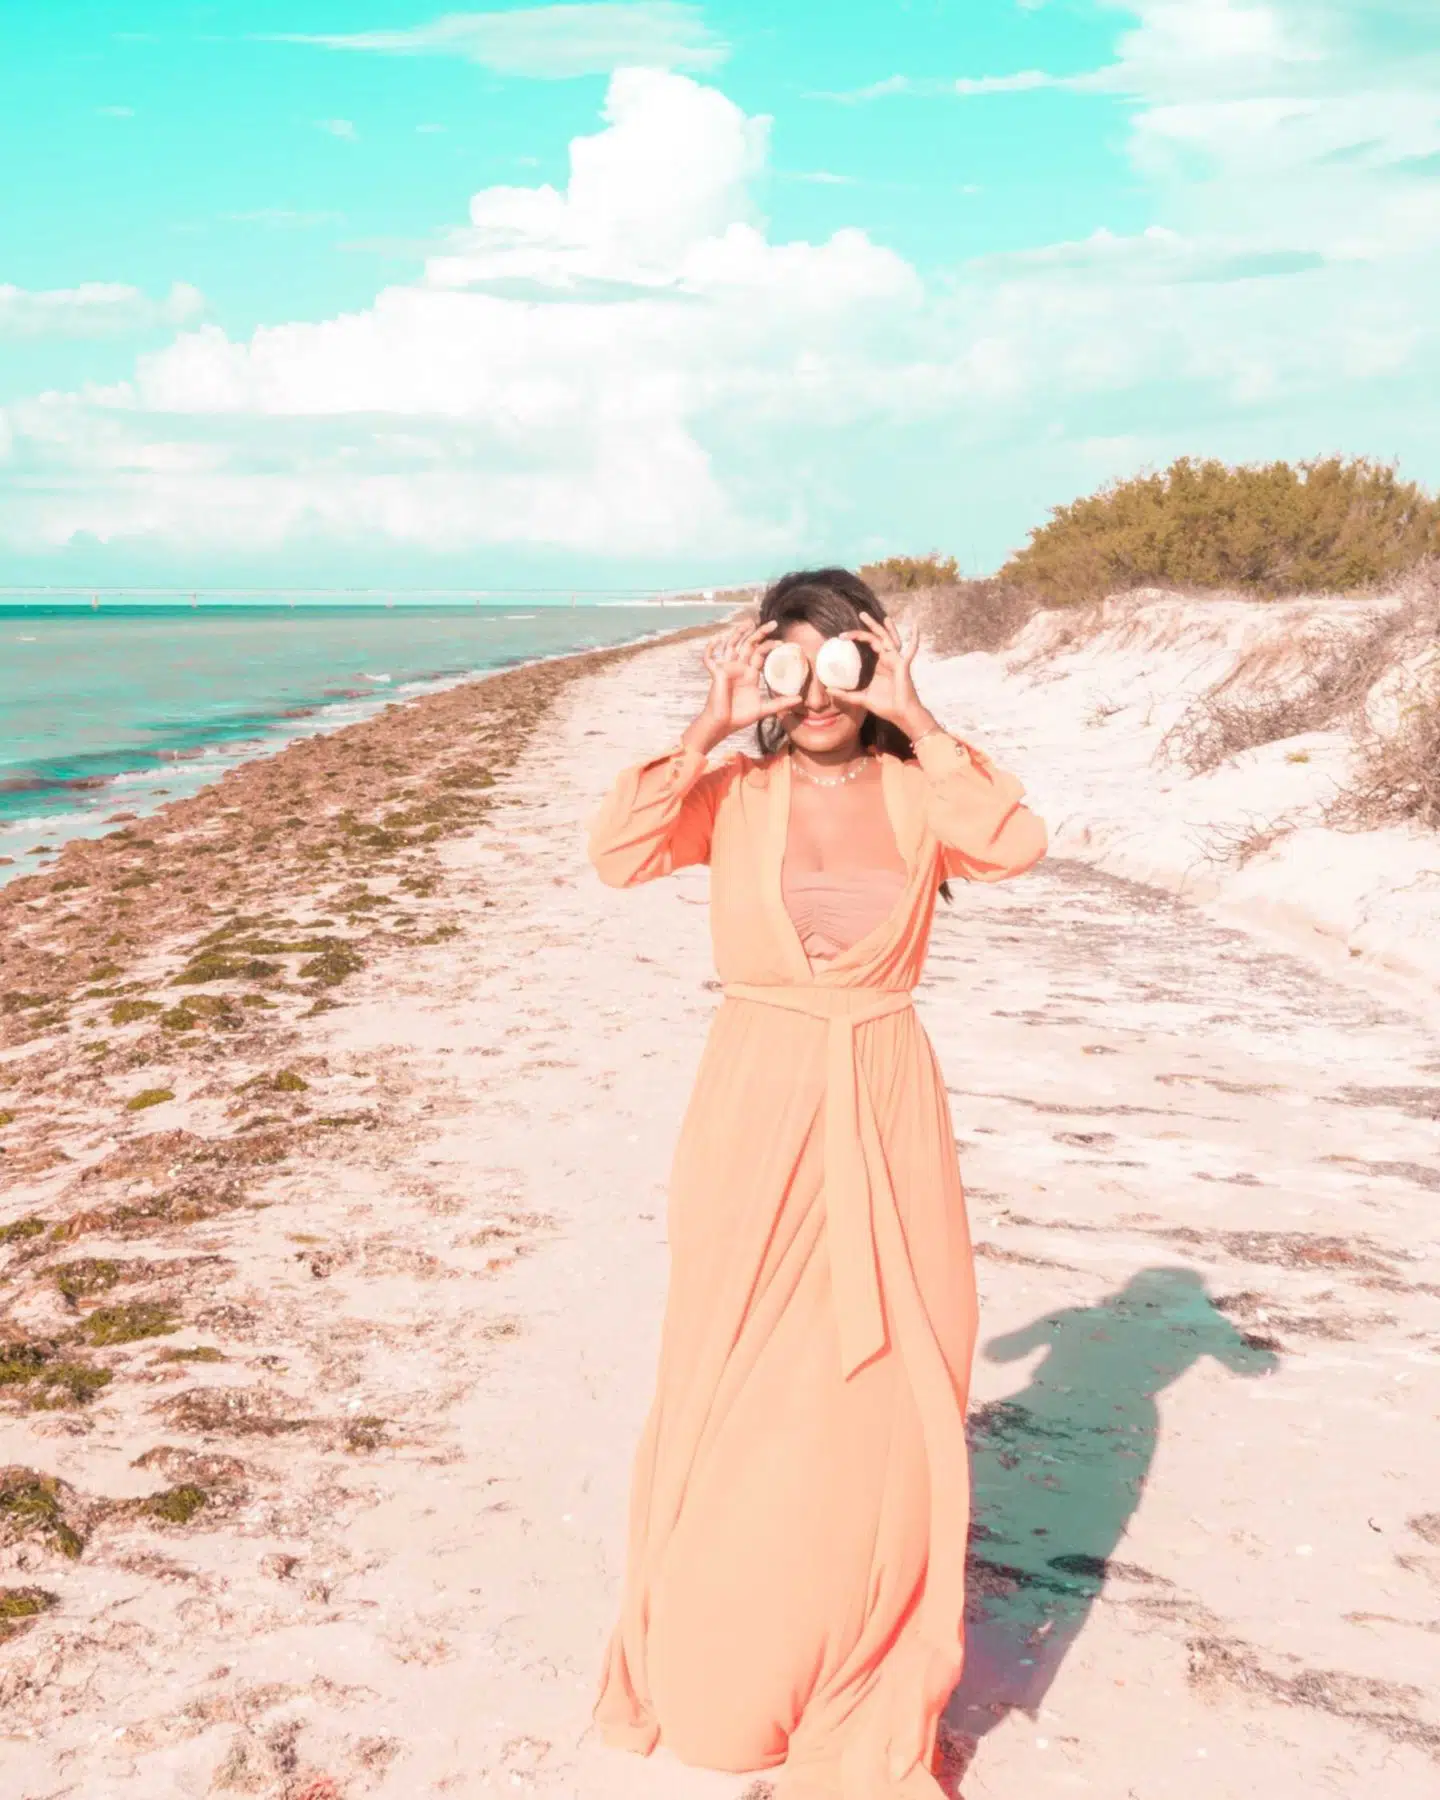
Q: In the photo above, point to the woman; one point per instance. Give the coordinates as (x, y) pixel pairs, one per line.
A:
(795, 1591)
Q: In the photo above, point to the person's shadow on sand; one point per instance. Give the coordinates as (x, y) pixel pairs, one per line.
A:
(1057, 1472)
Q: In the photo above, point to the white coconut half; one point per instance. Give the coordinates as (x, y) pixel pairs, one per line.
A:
(786, 670)
(838, 663)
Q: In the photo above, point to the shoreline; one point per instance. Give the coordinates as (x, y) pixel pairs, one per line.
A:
(109, 900)
(191, 768)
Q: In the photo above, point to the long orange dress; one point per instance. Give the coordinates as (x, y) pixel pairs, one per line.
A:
(795, 1584)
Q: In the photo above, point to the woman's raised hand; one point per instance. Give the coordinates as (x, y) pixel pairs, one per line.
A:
(890, 693)
(734, 661)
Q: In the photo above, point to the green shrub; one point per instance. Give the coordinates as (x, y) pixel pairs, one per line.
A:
(903, 574)
(1328, 525)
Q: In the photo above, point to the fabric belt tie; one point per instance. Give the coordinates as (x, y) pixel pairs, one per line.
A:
(856, 1177)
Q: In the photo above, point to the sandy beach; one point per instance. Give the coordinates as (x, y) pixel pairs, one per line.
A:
(336, 1106)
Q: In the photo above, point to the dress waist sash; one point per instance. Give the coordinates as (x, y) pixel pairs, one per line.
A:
(856, 1177)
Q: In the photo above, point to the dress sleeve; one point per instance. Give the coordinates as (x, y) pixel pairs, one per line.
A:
(975, 809)
(657, 818)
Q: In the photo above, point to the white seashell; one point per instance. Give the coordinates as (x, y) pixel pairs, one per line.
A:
(838, 664)
(786, 670)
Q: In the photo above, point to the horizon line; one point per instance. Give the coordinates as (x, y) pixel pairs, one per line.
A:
(96, 595)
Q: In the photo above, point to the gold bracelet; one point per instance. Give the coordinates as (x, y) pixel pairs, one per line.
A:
(934, 731)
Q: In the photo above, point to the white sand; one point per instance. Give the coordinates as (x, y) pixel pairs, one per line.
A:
(427, 1618)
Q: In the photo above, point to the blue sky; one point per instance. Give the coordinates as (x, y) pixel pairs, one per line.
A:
(653, 292)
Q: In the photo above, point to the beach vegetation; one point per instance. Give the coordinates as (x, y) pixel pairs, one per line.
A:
(199, 1353)
(20, 1606)
(7, 1117)
(175, 1505)
(87, 1275)
(128, 1324)
(904, 574)
(1331, 525)
(49, 1379)
(364, 1433)
(18, 1001)
(363, 899)
(468, 775)
(200, 1009)
(279, 1081)
(1397, 781)
(335, 964)
(126, 1012)
(33, 1505)
(22, 1360)
(1332, 669)
(188, 1204)
(18, 1230)
(238, 1411)
(214, 965)
(969, 615)
(149, 1097)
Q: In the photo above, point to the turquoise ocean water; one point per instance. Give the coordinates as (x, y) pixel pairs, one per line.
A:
(124, 708)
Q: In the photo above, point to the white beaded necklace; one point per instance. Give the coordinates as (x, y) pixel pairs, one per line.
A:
(830, 781)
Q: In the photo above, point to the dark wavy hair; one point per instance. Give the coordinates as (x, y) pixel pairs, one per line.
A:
(832, 600)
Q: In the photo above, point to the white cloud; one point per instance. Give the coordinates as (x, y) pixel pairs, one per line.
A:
(1025, 82)
(94, 309)
(560, 375)
(551, 42)
(340, 128)
(628, 365)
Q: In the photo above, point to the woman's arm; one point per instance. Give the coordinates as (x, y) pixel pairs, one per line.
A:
(973, 808)
(976, 811)
(657, 818)
(659, 815)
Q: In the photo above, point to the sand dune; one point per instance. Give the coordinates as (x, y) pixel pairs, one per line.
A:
(1111, 709)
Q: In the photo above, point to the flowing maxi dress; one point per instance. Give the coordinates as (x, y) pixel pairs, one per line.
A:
(795, 1582)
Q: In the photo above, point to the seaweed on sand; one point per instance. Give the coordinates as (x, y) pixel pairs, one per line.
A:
(33, 1505)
